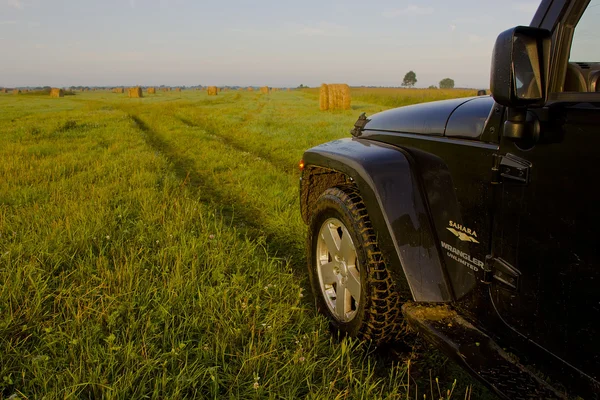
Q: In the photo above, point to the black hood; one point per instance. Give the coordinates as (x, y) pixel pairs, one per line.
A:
(424, 118)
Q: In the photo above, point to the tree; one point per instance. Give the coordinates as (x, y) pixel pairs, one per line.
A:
(447, 83)
(409, 79)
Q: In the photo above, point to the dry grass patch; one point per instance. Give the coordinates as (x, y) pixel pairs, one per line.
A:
(212, 90)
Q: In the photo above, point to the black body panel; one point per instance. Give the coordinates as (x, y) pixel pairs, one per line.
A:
(393, 196)
(547, 231)
(424, 118)
(469, 119)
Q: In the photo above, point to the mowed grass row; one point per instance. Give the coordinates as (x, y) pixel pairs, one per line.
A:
(154, 248)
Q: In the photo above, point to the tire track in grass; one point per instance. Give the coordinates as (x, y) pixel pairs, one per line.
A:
(206, 190)
(211, 129)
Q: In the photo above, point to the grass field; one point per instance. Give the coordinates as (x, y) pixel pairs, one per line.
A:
(153, 248)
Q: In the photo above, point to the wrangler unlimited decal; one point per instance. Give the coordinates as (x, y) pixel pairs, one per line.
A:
(462, 257)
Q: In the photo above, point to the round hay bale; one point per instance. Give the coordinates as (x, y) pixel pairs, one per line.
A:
(151, 90)
(56, 92)
(16, 91)
(178, 89)
(212, 90)
(324, 97)
(335, 96)
(346, 100)
(264, 90)
(135, 92)
(481, 92)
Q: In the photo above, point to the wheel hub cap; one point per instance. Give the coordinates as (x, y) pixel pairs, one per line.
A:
(338, 270)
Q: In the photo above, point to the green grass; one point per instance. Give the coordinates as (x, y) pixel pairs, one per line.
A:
(153, 248)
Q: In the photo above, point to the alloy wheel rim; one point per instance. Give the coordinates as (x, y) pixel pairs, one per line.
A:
(338, 270)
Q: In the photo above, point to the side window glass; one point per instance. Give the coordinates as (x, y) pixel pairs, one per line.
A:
(583, 70)
(586, 40)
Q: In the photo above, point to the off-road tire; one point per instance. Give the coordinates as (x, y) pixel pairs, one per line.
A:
(378, 317)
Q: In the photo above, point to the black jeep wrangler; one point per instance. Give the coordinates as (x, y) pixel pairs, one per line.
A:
(476, 220)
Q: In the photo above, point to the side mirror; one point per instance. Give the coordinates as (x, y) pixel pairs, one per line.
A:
(520, 67)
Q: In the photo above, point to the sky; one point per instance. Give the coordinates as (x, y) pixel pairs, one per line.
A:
(277, 43)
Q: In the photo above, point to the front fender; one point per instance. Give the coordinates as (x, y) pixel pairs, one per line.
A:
(397, 208)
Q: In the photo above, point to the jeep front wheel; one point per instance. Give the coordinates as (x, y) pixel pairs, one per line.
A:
(348, 274)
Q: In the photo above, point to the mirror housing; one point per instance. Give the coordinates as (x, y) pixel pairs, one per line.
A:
(520, 67)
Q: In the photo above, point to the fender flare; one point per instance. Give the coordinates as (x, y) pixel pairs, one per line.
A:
(393, 196)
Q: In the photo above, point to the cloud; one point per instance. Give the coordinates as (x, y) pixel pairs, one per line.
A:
(320, 29)
(410, 10)
(15, 3)
(528, 7)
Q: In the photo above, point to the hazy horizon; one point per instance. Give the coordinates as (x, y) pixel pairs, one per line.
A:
(65, 43)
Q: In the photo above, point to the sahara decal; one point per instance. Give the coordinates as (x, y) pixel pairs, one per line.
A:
(463, 233)
(462, 257)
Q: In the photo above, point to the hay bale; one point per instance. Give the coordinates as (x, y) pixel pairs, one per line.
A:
(151, 90)
(250, 89)
(264, 90)
(178, 89)
(4, 90)
(119, 90)
(135, 92)
(212, 90)
(16, 91)
(324, 97)
(56, 92)
(346, 98)
(334, 97)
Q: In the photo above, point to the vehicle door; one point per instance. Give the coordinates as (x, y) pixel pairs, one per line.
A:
(546, 283)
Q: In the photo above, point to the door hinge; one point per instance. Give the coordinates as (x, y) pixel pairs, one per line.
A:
(510, 168)
(359, 125)
(499, 271)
